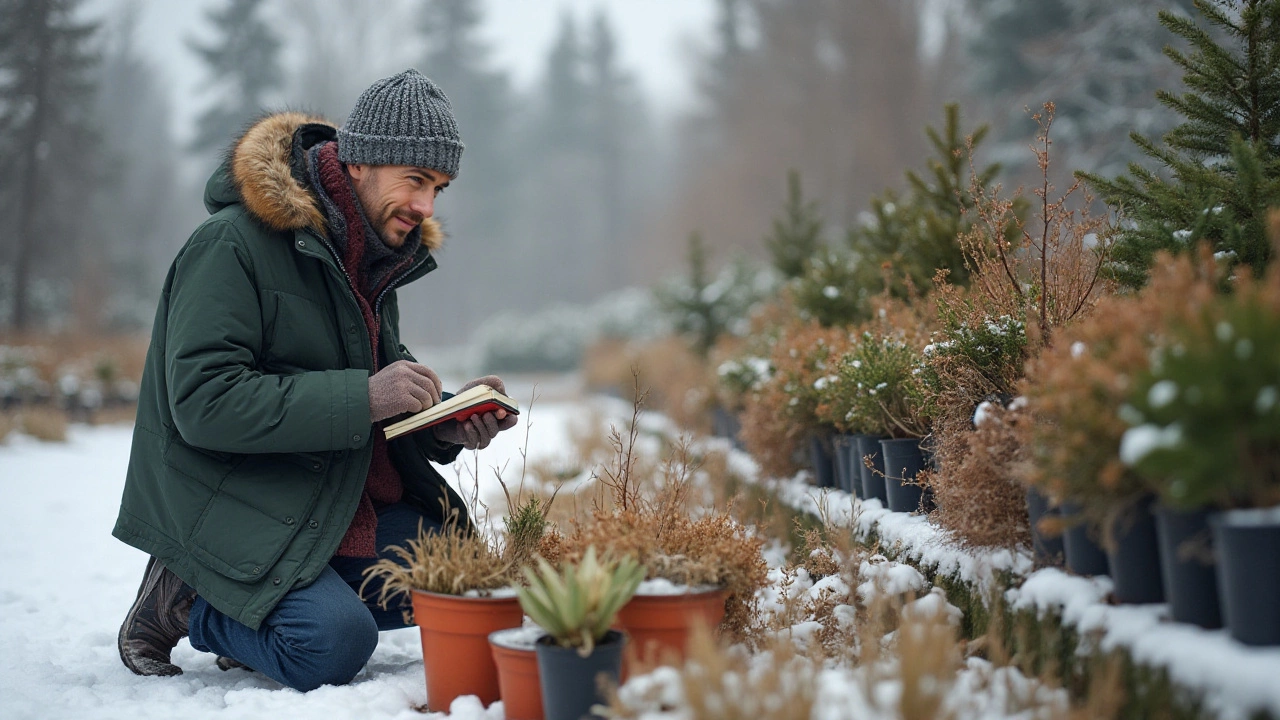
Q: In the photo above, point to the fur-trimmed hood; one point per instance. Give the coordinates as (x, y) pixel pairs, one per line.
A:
(261, 166)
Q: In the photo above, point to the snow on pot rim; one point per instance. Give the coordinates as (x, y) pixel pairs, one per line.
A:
(505, 593)
(1251, 517)
(521, 638)
(661, 587)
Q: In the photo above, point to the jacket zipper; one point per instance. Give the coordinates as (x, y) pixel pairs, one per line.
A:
(377, 306)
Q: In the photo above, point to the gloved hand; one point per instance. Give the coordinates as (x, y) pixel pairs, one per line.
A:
(477, 431)
(402, 387)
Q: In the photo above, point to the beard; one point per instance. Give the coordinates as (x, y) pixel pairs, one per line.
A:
(383, 215)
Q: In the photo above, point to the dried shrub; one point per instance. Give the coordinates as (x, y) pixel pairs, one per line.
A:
(714, 549)
(651, 521)
(679, 382)
(1022, 292)
(1205, 414)
(980, 498)
(1076, 389)
(43, 423)
(8, 424)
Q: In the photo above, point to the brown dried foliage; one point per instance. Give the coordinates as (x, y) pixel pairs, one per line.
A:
(1050, 279)
(1076, 388)
(679, 383)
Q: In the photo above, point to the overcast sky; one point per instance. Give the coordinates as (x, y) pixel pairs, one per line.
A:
(654, 40)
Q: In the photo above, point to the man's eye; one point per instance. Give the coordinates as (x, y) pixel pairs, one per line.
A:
(439, 190)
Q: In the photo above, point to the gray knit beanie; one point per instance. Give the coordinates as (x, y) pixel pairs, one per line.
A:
(402, 120)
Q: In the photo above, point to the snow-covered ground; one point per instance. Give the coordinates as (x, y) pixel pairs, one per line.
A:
(65, 585)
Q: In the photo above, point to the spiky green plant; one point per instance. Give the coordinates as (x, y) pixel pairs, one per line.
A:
(577, 606)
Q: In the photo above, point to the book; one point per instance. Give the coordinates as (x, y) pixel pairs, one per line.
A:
(475, 401)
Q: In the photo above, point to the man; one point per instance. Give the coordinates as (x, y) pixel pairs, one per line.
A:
(260, 480)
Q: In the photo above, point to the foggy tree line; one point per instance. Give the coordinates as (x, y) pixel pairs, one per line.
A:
(568, 188)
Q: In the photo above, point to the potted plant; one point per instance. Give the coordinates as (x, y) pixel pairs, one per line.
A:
(461, 586)
(882, 373)
(1205, 428)
(1075, 391)
(579, 656)
(804, 370)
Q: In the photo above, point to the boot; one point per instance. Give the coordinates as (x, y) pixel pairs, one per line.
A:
(156, 622)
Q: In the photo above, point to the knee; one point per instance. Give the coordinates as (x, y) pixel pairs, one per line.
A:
(338, 651)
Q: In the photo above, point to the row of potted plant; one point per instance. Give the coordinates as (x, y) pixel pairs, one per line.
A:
(1041, 400)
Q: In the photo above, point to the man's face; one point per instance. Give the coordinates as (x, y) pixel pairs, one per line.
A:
(396, 198)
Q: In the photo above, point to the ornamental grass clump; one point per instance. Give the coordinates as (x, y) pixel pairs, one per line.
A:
(1205, 416)
(577, 604)
(459, 560)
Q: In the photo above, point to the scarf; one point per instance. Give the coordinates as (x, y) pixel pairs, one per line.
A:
(370, 265)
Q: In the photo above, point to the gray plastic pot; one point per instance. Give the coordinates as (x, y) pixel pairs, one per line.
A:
(902, 461)
(1248, 547)
(820, 457)
(1084, 555)
(570, 683)
(872, 477)
(1134, 558)
(1188, 566)
(1046, 550)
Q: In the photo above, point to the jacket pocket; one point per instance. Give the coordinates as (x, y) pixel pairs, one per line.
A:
(301, 334)
(255, 513)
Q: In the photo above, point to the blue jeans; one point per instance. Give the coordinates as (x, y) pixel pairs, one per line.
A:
(321, 634)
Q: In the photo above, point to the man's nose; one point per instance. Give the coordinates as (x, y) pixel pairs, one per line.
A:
(423, 204)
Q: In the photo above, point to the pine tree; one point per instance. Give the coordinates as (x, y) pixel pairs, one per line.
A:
(1222, 161)
(797, 233)
(46, 137)
(910, 237)
(244, 68)
(705, 307)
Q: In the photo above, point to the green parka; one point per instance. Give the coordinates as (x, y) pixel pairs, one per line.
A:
(251, 445)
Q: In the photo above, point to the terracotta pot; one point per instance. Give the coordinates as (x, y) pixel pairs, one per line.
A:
(659, 625)
(517, 662)
(455, 644)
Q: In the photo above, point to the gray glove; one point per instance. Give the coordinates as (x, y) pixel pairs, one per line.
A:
(402, 387)
(477, 431)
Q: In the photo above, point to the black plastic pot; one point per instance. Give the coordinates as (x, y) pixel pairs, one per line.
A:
(840, 459)
(1248, 547)
(1084, 555)
(1188, 566)
(902, 460)
(1133, 559)
(1046, 550)
(853, 461)
(570, 683)
(820, 457)
(725, 424)
(872, 477)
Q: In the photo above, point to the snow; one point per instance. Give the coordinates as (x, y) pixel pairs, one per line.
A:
(1139, 442)
(1252, 517)
(521, 638)
(663, 586)
(1162, 393)
(1236, 681)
